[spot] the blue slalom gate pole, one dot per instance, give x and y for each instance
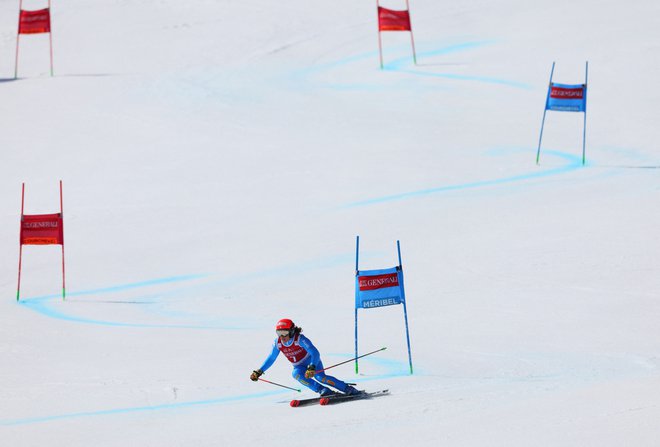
(357, 272)
(584, 132)
(545, 109)
(357, 251)
(405, 311)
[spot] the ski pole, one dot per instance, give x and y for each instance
(351, 360)
(277, 384)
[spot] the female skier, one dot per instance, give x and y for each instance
(306, 360)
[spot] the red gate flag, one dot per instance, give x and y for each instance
(42, 229)
(34, 22)
(394, 20)
(391, 20)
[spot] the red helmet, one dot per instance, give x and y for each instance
(284, 323)
(284, 327)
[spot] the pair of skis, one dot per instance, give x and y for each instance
(337, 398)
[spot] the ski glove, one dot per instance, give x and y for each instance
(311, 372)
(255, 375)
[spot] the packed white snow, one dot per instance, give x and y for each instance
(219, 158)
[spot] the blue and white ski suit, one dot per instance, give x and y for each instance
(300, 351)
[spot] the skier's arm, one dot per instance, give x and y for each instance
(314, 355)
(271, 358)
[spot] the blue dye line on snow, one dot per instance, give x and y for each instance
(122, 287)
(45, 304)
(398, 64)
(574, 162)
(149, 408)
(395, 367)
(48, 305)
(458, 77)
(45, 307)
(288, 270)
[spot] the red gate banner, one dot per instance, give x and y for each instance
(394, 20)
(34, 22)
(391, 20)
(42, 229)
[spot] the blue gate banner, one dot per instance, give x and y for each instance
(567, 97)
(378, 288)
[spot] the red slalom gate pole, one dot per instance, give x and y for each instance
(351, 360)
(62, 217)
(277, 384)
(50, 38)
(18, 36)
(20, 243)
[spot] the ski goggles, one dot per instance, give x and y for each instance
(283, 332)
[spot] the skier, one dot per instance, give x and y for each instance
(306, 360)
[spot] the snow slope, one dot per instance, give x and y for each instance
(219, 158)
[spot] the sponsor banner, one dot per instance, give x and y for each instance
(42, 229)
(379, 288)
(391, 20)
(34, 22)
(567, 98)
(378, 281)
(567, 93)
